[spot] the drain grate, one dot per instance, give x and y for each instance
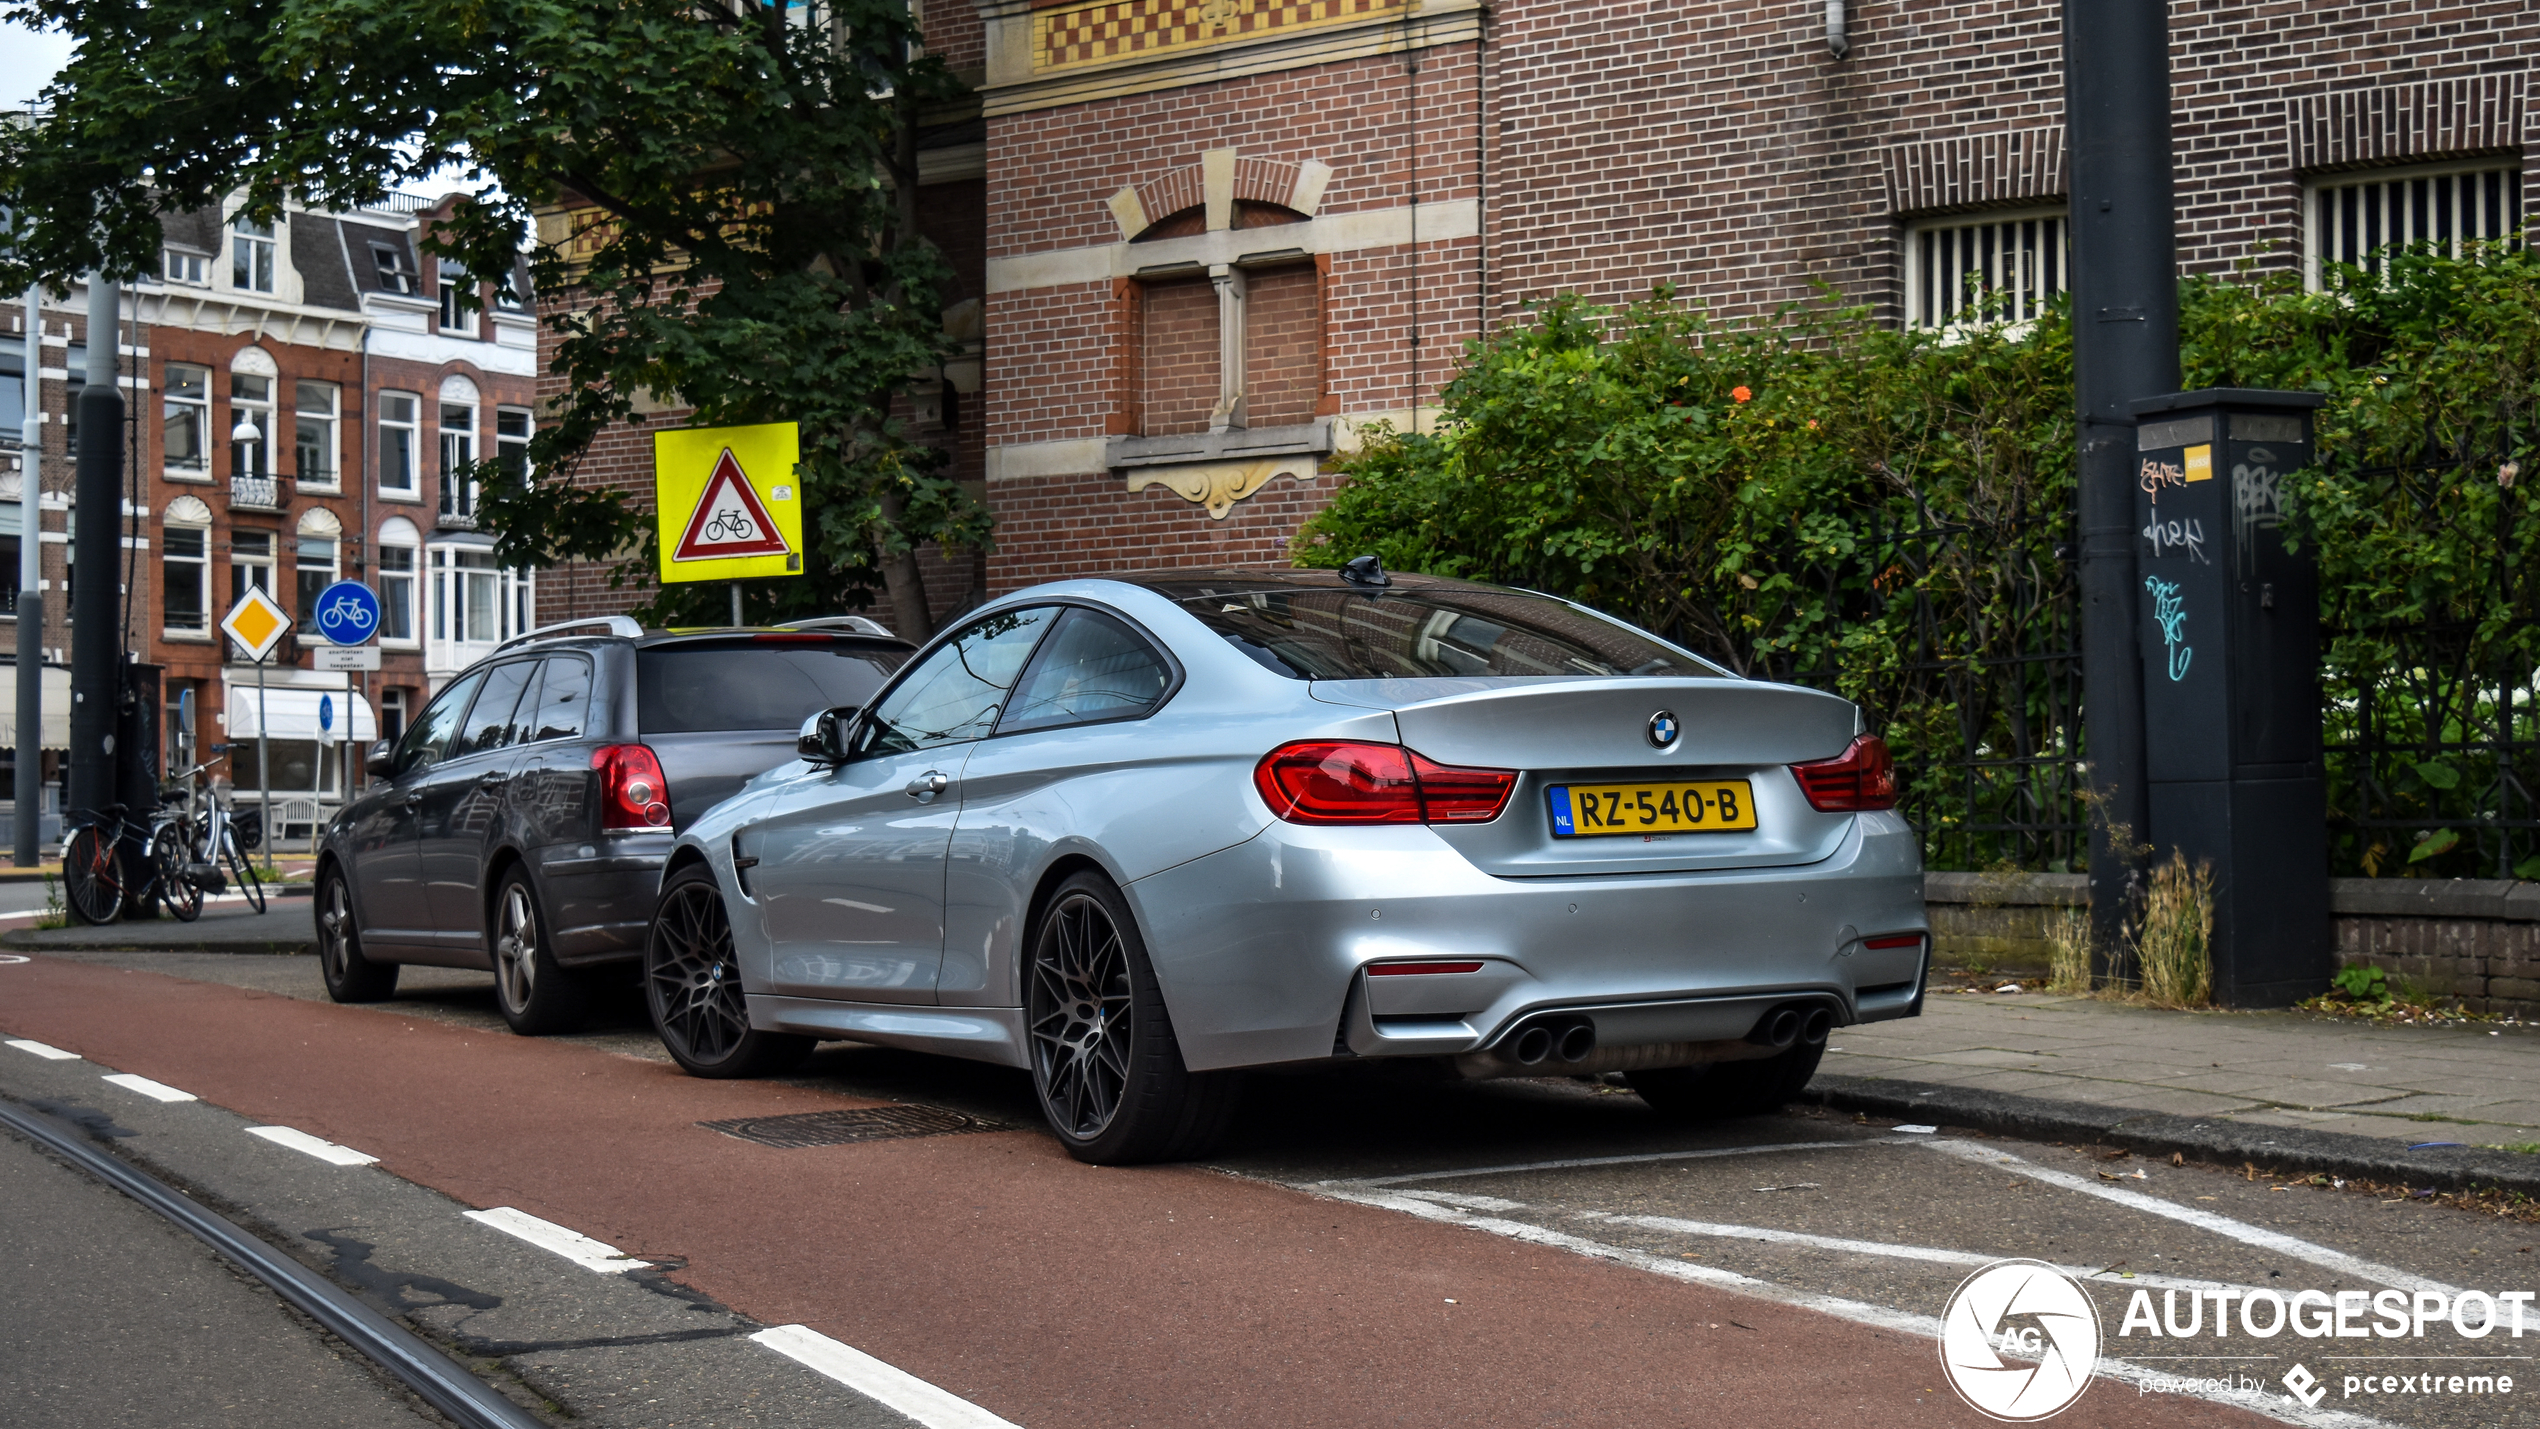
(839, 1128)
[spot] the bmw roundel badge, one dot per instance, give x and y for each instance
(1662, 728)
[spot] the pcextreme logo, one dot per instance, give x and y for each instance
(2019, 1341)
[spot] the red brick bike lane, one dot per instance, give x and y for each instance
(1054, 1294)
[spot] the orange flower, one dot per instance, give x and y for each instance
(1740, 393)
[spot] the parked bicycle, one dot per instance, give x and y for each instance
(112, 864)
(206, 850)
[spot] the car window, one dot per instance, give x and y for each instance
(488, 725)
(560, 705)
(1429, 631)
(428, 739)
(954, 693)
(754, 683)
(1090, 668)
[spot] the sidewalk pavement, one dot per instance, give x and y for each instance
(286, 926)
(2283, 1089)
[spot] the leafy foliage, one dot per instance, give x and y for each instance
(1813, 496)
(742, 179)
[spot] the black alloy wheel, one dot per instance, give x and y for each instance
(1104, 1059)
(350, 977)
(692, 983)
(534, 992)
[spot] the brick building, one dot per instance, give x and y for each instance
(364, 380)
(1218, 237)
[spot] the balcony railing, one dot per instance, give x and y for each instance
(256, 493)
(455, 521)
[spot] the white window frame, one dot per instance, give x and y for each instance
(511, 448)
(328, 422)
(458, 451)
(252, 248)
(185, 266)
(2455, 211)
(250, 569)
(402, 481)
(455, 592)
(398, 593)
(175, 399)
(244, 407)
(2038, 266)
(458, 319)
(169, 574)
(389, 262)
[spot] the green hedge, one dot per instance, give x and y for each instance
(1819, 497)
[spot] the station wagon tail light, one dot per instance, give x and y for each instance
(1861, 777)
(1330, 781)
(634, 797)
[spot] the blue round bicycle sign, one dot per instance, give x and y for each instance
(347, 613)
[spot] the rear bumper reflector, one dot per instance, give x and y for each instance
(1413, 969)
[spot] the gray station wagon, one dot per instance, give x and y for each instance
(520, 823)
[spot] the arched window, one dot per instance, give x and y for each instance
(185, 568)
(317, 558)
(250, 255)
(400, 547)
(458, 452)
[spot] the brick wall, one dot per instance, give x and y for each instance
(1283, 346)
(1177, 367)
(1054, 527)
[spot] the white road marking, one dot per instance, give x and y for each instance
(1607, 1161)
(307, 1145)
(2265, 1402)
(573, 1245)
(49, 1054)
(155, 1091)
(13, 959)
(2241, 1231)
(893, 1387)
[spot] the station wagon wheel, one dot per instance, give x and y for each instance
(1105, 1061)
(350, 977)
(692, 983)
(535, 993)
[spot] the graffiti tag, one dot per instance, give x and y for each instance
(2169, 608)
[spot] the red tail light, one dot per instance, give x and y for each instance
(1862, 777)
(634, 797)
(1328, 781)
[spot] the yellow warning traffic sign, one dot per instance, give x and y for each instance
(256, 623)
(727, 502)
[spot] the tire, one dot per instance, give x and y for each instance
(1728, 1089)
(242, 871)
(535, 993)
(350, 977)
(92, 879)
(692, 983)
(1105, 1062)
(181, 895)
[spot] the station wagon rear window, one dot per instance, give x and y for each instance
(1431, 631)
(745, 684)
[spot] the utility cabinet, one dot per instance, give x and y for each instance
(2228, 628)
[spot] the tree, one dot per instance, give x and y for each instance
(742, 183)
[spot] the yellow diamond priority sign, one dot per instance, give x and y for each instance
(256, 623)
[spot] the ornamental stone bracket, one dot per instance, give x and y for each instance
(1218, 469)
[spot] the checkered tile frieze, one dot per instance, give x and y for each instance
(1109, 31)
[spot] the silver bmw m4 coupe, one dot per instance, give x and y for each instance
(1138, 834)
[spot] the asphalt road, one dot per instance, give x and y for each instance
(1369, 1248)
(115, 1319)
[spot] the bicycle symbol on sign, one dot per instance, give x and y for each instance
(731, 526)
(345, 611)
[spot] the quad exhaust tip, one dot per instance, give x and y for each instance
(1570, 1040)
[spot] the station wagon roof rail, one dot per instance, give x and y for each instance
(619, 625)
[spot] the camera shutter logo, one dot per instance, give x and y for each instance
(2019, 1341)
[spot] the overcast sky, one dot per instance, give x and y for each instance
(28, 59)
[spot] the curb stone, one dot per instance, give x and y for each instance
(2279, 1148)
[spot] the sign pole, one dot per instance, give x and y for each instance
(736, 602)
(30, 773)
(264, 766)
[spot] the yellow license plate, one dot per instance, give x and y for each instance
(1710, 807)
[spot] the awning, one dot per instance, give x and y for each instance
(57, 707)
(294, 715)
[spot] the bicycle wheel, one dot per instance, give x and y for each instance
(242, 871)
(92, 880)
(182, 895)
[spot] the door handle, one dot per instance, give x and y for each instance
(926, 786)
(414, 798)
(494, 780)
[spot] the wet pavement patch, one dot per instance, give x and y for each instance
(841, 1128)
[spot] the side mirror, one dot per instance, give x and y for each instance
(823, 737)
(381, 761)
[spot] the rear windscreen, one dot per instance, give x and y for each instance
(1429, 632)
(685, 689)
